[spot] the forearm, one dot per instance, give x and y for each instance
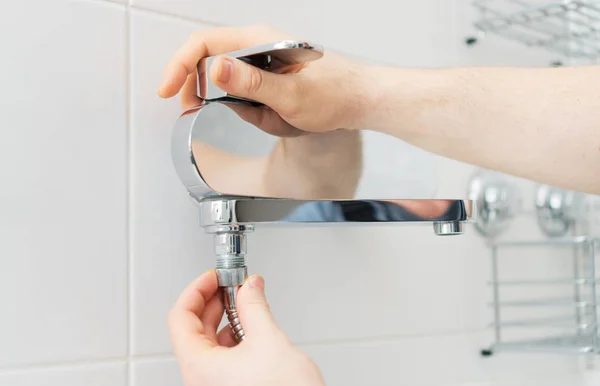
(540, 124)
(319, 166)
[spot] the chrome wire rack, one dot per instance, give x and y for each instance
(569, 28)
(571, 327)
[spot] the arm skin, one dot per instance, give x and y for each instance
(315, 166)
(312, 166)
(542, 124)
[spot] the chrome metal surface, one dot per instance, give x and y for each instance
(565, 27)
(229, 146)
(558, 209)
(230, 248)
(274, 57)
(448, 228)
(549, 282)
(565, 321)
(445, 215)
(497, 199)
(546, 303)
(218, 150)
(580, 325)
(571, 344)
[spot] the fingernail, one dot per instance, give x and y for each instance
(225, 70)
(256, 281)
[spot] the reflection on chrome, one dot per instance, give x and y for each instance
(218, 212)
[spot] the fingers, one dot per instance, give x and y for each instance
(189, 93)
(188, 334)
(208, 43)
(225, 337)
(267, 120)
(212, 316)
(254, 311)
(279, 91)
(199, 45)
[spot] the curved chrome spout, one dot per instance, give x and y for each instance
(447, 216)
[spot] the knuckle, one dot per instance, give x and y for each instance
(254, 81)
(259, 304)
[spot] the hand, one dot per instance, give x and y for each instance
(321, 96)
(265, 358)
(330, 93)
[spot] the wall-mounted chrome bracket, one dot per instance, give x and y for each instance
(558, 209)
(497, 200)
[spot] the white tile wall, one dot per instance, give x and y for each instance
(169, 248)
(105, 374)
(63, 271)
(155, 372)
(100, 238)
(379, 30)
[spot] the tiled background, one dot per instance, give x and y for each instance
(98, 237)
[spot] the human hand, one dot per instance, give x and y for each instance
(265, 358)
(328, 94)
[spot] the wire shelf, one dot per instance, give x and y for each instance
(574, 345)
(575, 328)
(570, 28)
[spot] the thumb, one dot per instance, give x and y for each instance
(246, 81)
(254, 311)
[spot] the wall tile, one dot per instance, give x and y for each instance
(415, 361)
(440, 360)
(155, 372)
(89, 375)
(169, 247)
(63, 152)
(435, 360)
(402, 32)
(368, 282)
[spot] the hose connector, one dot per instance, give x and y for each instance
(230, 248)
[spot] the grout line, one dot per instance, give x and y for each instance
(84, 362)
(207, 23)
(390, 338)
(167, 356)
(129, 199)
(59, 365)
(110, 3)
(173, 16)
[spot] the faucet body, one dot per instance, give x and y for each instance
(230, 214)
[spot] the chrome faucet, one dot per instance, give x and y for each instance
(222, 153)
